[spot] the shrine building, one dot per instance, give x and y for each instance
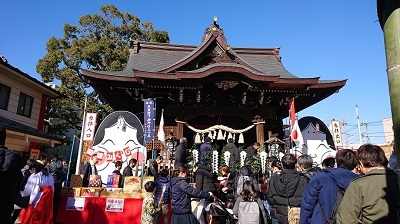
(209, 84)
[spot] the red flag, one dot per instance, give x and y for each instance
(292, 113)
(161, 133)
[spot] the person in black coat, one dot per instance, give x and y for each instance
(286, 188)
(205, 182)
(181, 194)
(10, 178)
(253, 149)
(128, 170)
(89, 169)
(235, 152)
(181, 153)
(56, 169)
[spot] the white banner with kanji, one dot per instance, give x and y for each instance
(89, 126)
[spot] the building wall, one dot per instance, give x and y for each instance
(388, 129)
(16, 88)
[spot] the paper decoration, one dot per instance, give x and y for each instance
(220, 135)
(95, 181)
(89, 152)
(263, 158)
(241, 139)
(127, 151)
(195, 156)
(100, 156)
(227, 157)
(215, 161)
(197, 139)
(118, 155)
(109, 157)
(243, 155)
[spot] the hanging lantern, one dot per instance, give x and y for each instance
(197, 139)
(227, 157)
(210, 135)
(241, 139)
(243, 155)
(220, 136)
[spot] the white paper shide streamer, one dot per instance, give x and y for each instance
(195, 156)
(263, 158)
(227, 157)
(243, 155)
(215, 161)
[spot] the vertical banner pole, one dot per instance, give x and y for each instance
(154, 130)
(79, 159)
(69, 162)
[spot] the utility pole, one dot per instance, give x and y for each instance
(389, 19)
(345, 131)
(359, 127)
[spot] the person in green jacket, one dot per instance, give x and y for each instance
(373, 197)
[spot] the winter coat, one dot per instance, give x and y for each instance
(310, 173)
(205, 180)
(87, 171)
(159, 186)
(56, 169)
(181, 193)
(284, 188)
(373, 197)
(180, 156)
(10, 177)
(251, 150)
(323, 189)
(203, 151)
(235, 152)
(127, 172)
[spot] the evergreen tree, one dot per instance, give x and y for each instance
(99, 42)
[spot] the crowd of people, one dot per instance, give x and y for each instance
(353, 187)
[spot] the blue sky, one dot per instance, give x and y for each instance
(333, 40)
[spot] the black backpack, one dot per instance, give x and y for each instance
(332, 217)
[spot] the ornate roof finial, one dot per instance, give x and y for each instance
(215, 20)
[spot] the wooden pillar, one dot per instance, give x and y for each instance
(179, 131)
(260, 130)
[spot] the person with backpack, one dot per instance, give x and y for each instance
(306, 166)
(374, 196)
(285, 191)
(245, 175)
(324, 191)
(248, 207)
